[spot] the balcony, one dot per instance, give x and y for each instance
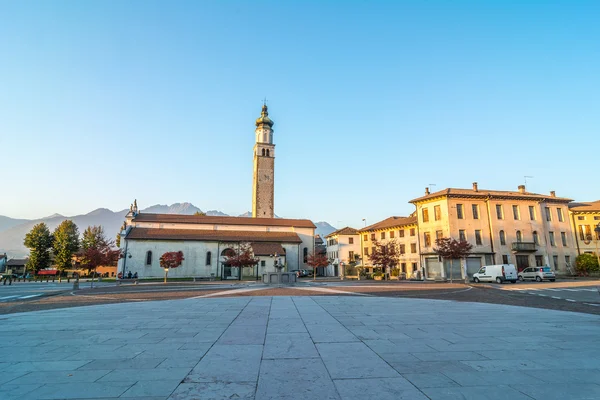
(523, 247)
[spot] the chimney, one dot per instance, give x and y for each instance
(552, 193)
(475, 187)
(426, 190)
(521, 188)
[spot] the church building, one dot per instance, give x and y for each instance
(207, 240)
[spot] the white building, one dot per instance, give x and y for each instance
(343, 248)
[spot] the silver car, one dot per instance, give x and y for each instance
(537, 273)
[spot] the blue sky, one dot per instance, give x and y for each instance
(103, 102)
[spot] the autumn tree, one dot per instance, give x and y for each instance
(200, 213)
(385, 255)
(39, 241)
(170, 260)
(452, 249)
(241, 257)
(97, 249)
(66, 243)
(317, 260)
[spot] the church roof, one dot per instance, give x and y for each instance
(264, 117)
(267, 249)
(217, 220)
(211, 235)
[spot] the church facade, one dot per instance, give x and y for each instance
(207, 240)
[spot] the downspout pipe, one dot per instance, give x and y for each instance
(576, 233)
(487, 202)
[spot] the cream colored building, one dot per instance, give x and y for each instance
(585, 217)
(343, 248)
(402, 230)
(521, 228)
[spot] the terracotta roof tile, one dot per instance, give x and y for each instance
(211, 235)
(390, 222)
(585, 207)
(213, 220)
(266, 249)
(344, 231)
(452, 192)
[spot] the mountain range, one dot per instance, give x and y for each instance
(13, 231)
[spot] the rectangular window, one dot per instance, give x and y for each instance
(555, 260)
(582, 218)
(382, 235)
(462, 236)
(552, 241)
(350, 240)
(499, 211)
(425, 213)
(350, 256)
(539, 261)
(532, 213)
(413, 248)
(568, 260)
(403, 267)
(581, 235)
(401, 233)
(392, 234)
(548, 214)
(588, 232)
(412, 231)
(208, 258)
(414, 266)
(402, 249)
(478, 241)
(366, 237)
(516, 212)
(560, 214)
(439, 234)
(373, 250)
(563, 237)
(459, 211)
(426, 239)
(372, 236)
(596, 218)
(263, 263)
(366, 251)
(505, 259)
(437, 213)
(475, 209)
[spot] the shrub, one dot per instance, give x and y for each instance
(586, 263)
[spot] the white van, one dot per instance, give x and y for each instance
(496, 273)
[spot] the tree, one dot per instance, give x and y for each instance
(118, 240)
(452, 249)
(385, 255)
(200, 213)
(169, 260)
(316, 260)
(97, 249)
(39, 241)
(241, 257)
(586, 263)
(66, 243)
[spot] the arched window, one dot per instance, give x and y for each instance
(519, 236)
(536, 237)
(263, 152)
(208, 257)
(502, 238)
(148, 257)
(268, 155)
(305, 254)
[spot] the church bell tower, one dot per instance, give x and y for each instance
(263, 186)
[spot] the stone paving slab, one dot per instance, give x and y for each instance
(300, 348)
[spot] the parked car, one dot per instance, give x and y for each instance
(496, 273)
(537, 273)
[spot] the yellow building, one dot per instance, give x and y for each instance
(585, 218)
(521, 228)
(402, 230)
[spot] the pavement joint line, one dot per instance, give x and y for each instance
(571, 300)
(556, 297)
(326, 290)
(230, 291)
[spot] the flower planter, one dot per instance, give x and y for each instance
(378, 278)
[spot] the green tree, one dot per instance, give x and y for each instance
(586, 263)
(66, 243)
(39, 241)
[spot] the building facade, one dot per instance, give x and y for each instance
(343, 248)
(585, 218)
(521, 228)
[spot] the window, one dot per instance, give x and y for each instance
(439, 234)
(402, 249)
(478, 241)
(263, 152)
(499, 211)
(519, 236)
(426, 239)
(588, 232)
(475, 209)
(401, 233)
(373, 250)
(596, 218)
(532, 213)
(366, 237)
(582, 218)
(459, 211)
(414, 266)
(548, 214)
(516, 212)
(552, 242)
(350, 256)
(462, 235)
(305, 254)
(536, 237)
(539, 261)
(505, 259)
(350, 240)
(208, 257)
(372, 236)
(425, 213)
(555, 260)
(366, 251)
(560, 214)
(403, 267)
(502, 239)
(391, 234)
(382, 235)
(412, 231)
(563, 238)
(437, 213)
(263, 263)
(568, 260)
(581, 236)
(413, 248)
(148, 257)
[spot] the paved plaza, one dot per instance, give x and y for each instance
(305, 347)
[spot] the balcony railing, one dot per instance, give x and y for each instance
(523, 247)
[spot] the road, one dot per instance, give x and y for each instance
(23, 291)
(585, 292)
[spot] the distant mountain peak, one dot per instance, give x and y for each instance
(55, 215)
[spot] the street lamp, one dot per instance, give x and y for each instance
(597, 230)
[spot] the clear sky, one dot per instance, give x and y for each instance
(103, 102)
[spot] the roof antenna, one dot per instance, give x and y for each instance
(527, 176)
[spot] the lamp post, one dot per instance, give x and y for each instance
(597, 230)
(166, 274)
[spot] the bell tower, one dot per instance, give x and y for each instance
(263, 185)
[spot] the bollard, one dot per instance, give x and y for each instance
(76, 285)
